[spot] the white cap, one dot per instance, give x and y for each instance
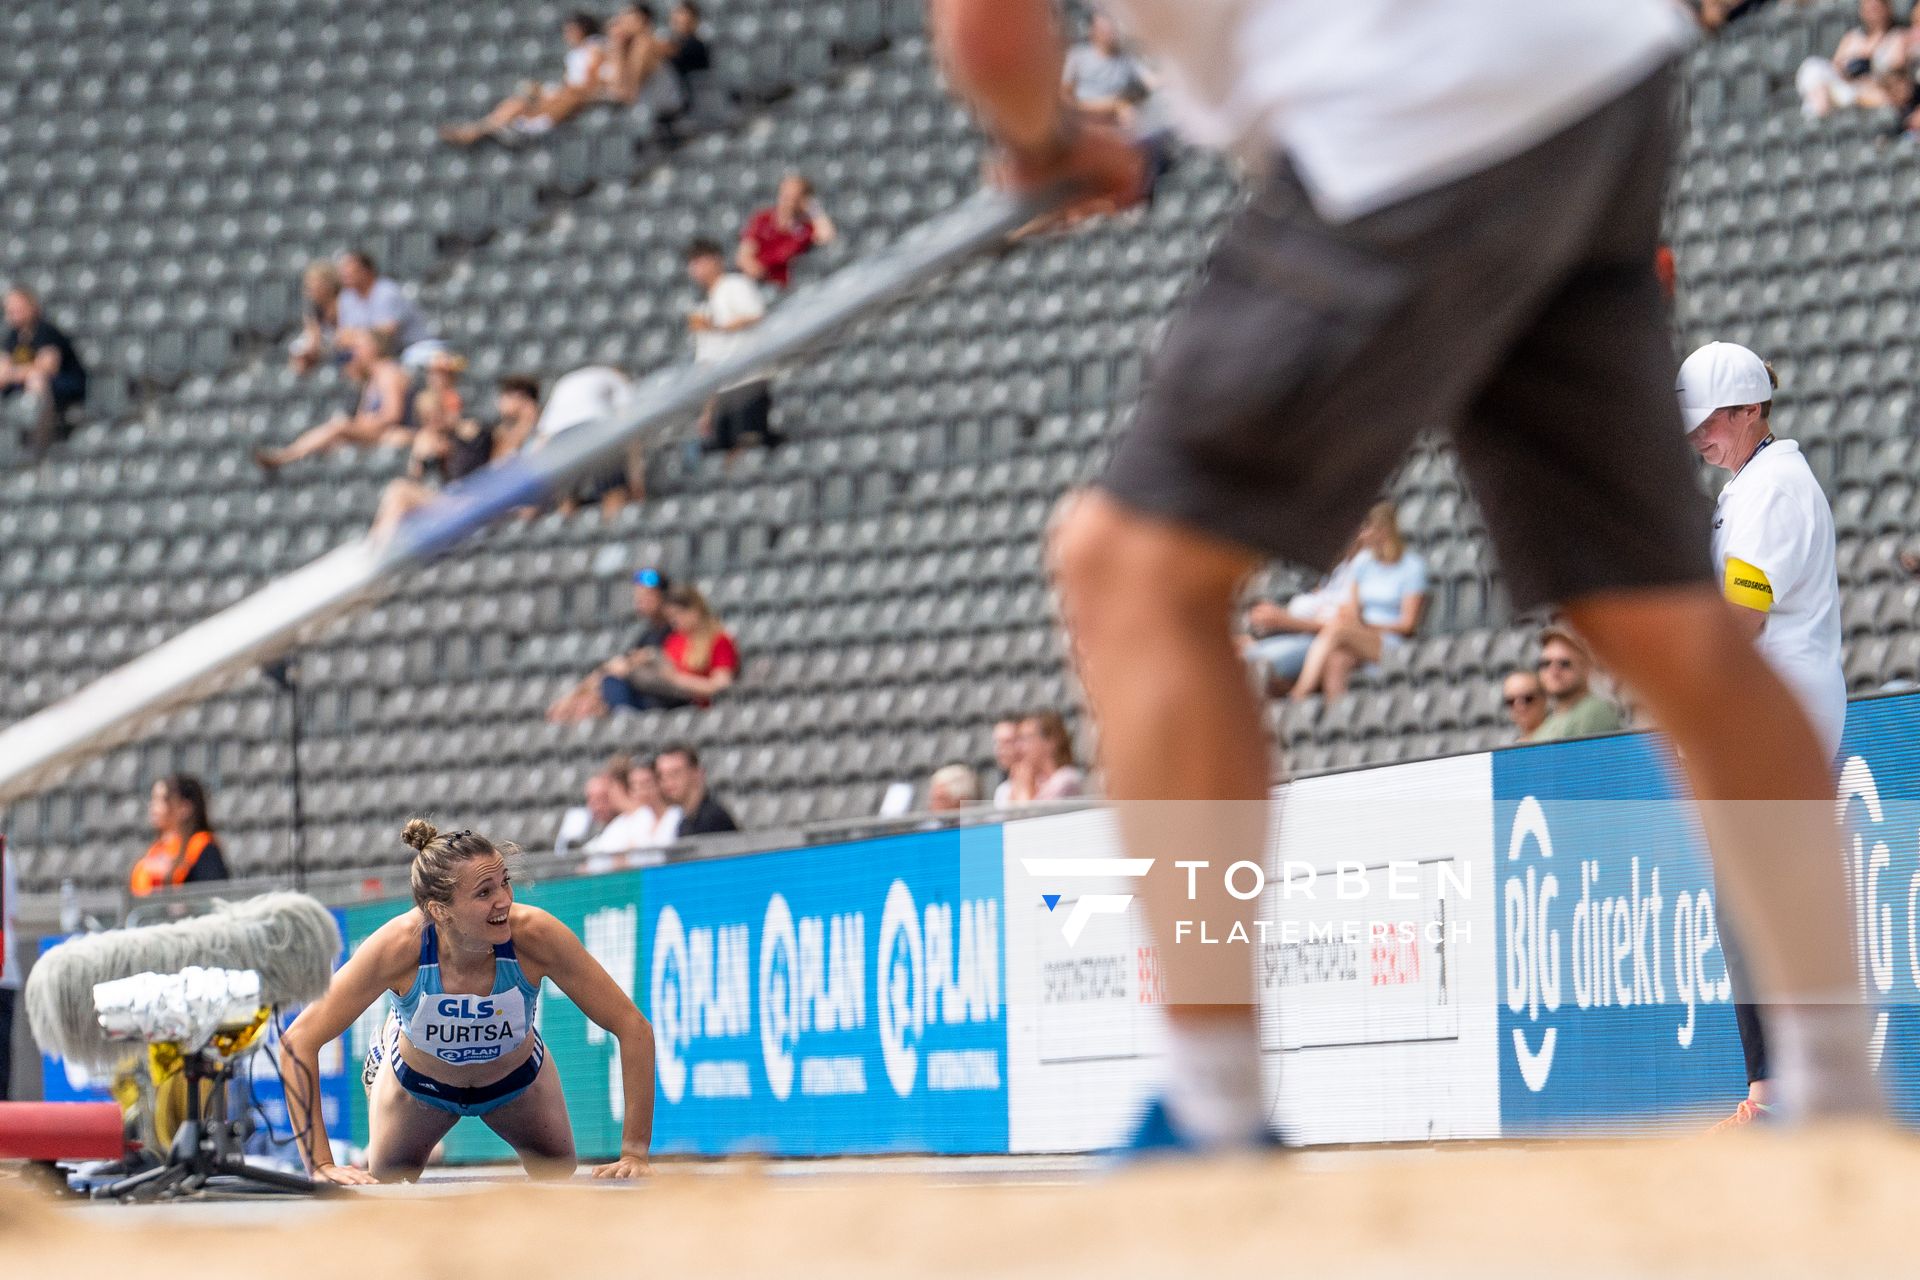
(1718, 375)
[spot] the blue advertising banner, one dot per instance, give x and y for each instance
(1614, 1000)
(836, 1000)
(60, 1080)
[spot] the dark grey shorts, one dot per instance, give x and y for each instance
(1516, 308)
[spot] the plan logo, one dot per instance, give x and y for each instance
(1087, 905)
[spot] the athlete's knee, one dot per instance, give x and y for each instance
(1111, 562)
(552, 1168)
(396, 1170)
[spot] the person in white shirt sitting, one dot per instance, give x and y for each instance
(1278, 637)
(743, 412)
(589, 76)
(605, 794)
(646, 820)
(1386, 593)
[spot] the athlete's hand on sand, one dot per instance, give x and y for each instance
(344, 1175)
(1106, 162)
(625, 1167)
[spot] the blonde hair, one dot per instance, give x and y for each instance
(958, 781)
(699, 650)
(324, 273)
(437, 859)
(1388, 515)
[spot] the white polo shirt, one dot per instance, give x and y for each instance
(1773, 548)
(1378, 100)
(585, 395)
(734, 300)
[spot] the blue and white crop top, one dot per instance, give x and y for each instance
(467, 1029)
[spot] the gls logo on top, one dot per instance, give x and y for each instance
(834, 999)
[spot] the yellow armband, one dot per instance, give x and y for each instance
(1747, 586)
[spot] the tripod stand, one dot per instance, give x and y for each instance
(206, 1146)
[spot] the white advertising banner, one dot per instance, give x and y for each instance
(1374, 959)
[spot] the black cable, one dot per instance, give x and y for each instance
(300, 1129)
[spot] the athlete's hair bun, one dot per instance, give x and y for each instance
(419, 833)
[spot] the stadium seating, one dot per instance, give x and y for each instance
(882, 571)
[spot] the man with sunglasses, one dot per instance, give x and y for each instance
(1565, 671)
(1525, 701)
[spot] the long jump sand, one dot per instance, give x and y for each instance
(1840, 1203)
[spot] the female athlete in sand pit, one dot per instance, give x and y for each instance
(464, 969)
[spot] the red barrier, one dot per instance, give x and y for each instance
(61, 1131)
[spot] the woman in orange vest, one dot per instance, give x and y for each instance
(187, 851)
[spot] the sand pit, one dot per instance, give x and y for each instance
(1750, 1205)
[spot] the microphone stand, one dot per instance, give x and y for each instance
(285, 675)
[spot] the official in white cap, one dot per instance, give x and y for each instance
(1773, 539)
(1774, 551)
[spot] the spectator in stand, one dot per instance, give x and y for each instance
(639, 66)
(1385, 596)
(687, 52)
(733, 305)
(1566, 672)
(1006, 756)
(647, 821)
(1278, 638)
(787, 229)
(587, 395)
(38, 363)
(319, 318)
(438, 406)
(1102, 79)
(383, 417)
(185, 850)
(1526, 703)
(953, 787)
(372, 302)
(605, 792)
(1045, 771)
(635, 50)
(1715, 14)
(696, 661)
(683, 784)
(442, 455)
(586, 700)
(589, 75)
(1865, 68)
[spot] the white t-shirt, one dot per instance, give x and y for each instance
(734, 298)
(385, 303)
(1773, 549)
(637, 830)
(582, 396)
(579, 62)
(1378, 100)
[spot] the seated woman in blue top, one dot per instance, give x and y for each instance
(463, 969)
(1386, 590)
